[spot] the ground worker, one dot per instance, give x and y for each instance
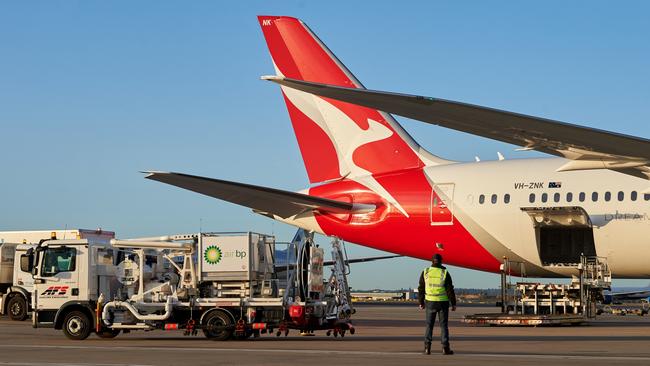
(435, 293)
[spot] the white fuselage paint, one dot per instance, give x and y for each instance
(621, 228)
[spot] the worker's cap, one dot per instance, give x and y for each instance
(437, 258)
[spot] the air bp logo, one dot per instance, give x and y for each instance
(212, 254)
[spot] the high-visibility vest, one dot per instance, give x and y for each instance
(434, 284)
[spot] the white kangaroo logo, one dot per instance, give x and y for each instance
(346, 136)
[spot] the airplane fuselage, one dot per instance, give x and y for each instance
(476, 213)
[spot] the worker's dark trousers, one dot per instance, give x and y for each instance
(432, 308)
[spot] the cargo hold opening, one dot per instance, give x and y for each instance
(563, 234)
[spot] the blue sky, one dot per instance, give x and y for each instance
(92, 92)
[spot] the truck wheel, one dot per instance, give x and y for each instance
(17, 307)
(76, 325)
(108, 333)
(217, 318)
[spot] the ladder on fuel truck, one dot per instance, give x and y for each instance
(339, 281)
(337, 286)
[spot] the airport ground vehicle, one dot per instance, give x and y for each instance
(226, 285)
(531, 303)
(16, 284)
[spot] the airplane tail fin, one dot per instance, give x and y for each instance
(336, 139)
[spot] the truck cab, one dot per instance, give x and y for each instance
(16, 252)
(69, 276)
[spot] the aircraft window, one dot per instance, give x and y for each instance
(569, 197)
(621, 195)
(544, 197)
(494, 198)
(633, 195)
(581, 197)
(646, 196)
(556, 197)
(594, 196)
(608, 196)
(481, 199)
(531, 197)
(506, 198)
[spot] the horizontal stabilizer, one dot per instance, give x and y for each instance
(263, 200)
(349, 261)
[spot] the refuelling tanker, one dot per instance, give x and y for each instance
(225, 285)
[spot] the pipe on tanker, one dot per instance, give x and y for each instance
(135, 312)
(150, 244)
(153, 238)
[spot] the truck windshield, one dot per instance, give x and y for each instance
(56, 260)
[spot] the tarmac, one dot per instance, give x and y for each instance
(385, 335)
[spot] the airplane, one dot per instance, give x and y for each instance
(633, 296)
(626, 294)
(372, 184)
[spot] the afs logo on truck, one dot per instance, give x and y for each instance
(55, 291)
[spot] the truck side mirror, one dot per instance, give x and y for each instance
(26, 262)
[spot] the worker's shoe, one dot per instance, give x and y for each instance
(427, 349)
(447, 351)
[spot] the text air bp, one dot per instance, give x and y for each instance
(213, 254)
(224, 254)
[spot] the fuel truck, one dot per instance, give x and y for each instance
(224, 285)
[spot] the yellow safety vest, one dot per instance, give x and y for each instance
(434, 284)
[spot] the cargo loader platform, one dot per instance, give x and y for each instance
(499, 319)
(548, 304)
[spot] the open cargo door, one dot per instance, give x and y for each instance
(563, 234)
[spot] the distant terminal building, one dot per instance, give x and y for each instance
(385, 295)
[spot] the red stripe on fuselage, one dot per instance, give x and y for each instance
(391, 231)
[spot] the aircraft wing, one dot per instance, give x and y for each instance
(587, 148)
(641, 294)
(364, 259)
(617, 297)
(349, 261)
(268, 201)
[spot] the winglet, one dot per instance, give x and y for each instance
(274, 78)
(151, 173)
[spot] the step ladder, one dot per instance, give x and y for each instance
(338, 282)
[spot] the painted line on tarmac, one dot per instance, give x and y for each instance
(330, 352)
(554, 357)
(65, 364)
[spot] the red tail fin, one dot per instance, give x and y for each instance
(336, 139)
